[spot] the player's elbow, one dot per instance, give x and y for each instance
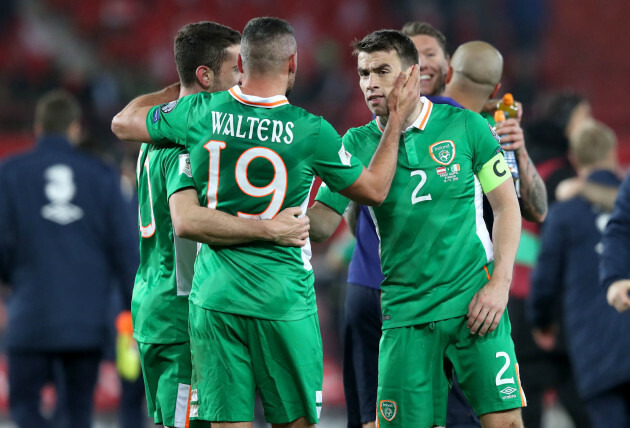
(375, 198)
(182, 226)
(118, 126)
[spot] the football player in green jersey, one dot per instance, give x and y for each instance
(446, 283)
(253, 320)
(205, 55)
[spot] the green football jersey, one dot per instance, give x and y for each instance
(252, 157)
(435, 249)
(159, 305)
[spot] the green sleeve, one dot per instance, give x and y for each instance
(336, 201)
(176, 170)
(337, 168)
(483, 140)
(168, 123)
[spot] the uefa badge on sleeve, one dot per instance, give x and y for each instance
(388, 409)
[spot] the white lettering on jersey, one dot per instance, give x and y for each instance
(264, 127)
(259, 129)
(253, 121)
(238, 127)
(229, 126)
(217, 123)
(289, 131)
(277, 131)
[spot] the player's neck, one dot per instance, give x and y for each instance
(264, 86)
(189, 90)
(468, 101)
(410, 119)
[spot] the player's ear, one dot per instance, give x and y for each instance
(293, 63)
(449, 75)
(239, 63)
(495, 91)
(205, 76)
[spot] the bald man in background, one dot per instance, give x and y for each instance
(473, 78)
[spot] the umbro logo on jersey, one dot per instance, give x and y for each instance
(508, 392)
(443, 152)
(388, 409)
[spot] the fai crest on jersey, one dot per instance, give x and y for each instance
(168, 107)
(388, 409)
(184, 165)
(443, 152)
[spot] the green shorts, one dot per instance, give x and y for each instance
(415, 361)
(235, 355)
(166, 370)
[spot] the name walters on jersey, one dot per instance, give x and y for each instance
(252, 127)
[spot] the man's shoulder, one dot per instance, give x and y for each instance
(371, 130)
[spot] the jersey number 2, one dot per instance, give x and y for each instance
(501, 380)
(277, 187)
(423, 179)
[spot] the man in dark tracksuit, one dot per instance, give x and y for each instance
(567, 269)
(65, 238)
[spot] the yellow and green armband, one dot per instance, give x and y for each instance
(493, 173)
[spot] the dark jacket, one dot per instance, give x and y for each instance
(567, 269)
(615, 259)
(65, 240)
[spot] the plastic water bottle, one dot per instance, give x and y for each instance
(510, 156)
(507, 106)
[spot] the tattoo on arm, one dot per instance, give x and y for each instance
(535, 198)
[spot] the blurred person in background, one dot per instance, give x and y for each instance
(547, 370)
(567, 272)
(65, 238)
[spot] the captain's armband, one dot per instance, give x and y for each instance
(493, 173)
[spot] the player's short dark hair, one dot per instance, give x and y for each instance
(56, 111)
(267, 43)
(417, 28)
(202, 43)
(388, 40)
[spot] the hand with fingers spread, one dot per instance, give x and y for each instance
(289, 230)
(487, 307)
(403, 99)
(617, 295)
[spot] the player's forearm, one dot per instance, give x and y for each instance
(130, 123)
(533, 191)
(215, 227)
(383, 165)
(351, 216)
(506, 235)
(324, 221)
